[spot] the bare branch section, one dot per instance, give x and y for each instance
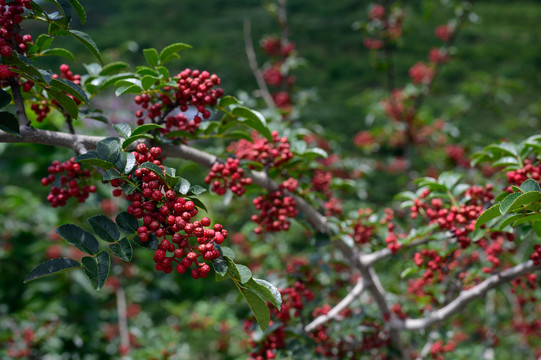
(357, 290)
(252, 61)
(465, 297)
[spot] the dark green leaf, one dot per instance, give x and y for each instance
(92, 158)
(509, 220)
(112, 79)
(44, 41)
(516, 200)
(172, 49)
(79, 10)
(71, 88)
(58, 52)
(489, 214)
(128, 89)
(530, 185)
(104, 227)
(528, 218)
(122, 249)
(134, 138)
(147, 81)
(66, 103)
(9, 123)
(258, 306)
(51, 267)
(266, 291)
(145, 128)
(505, 161)
(145, 70)
(127, 223)
(87, 42)
(240, 135)
(109, 149)
(253, 119)
(227, 100)
(183, 186)
(199, 203)
(123, 130)
(164, 72)
(227, 252)
(152, 57)
(151, 244)
(81, 239)
(506, 148)
(220, 266)
(97, 268)
(130, 163)
(239, 272)
(5, 98)
(129, 188)
(111, 174)
(155, 169)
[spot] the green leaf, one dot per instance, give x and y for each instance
(127, 223)
(449, 179)
(489, 214)
(197, 190)
(152, 57)
(183, 186)
(81, 239)
(129, 188)
(220, 267)
(129, 89)
(164, 72)
(155, 169)
(516, 200)
(506, 148)
(113, 68)
(266, 291)
(172, 49)
(258, 306)
(151, 244)
(87, 41)
(71, 88)
(528, 218)
(79, 10)
(111, 174)
(506, 161)
(431, 183)
(509, 220)
(5, 98)
(97, 268)
(108, 149)
(112, 79)
(9, 123)
(239, 272)
(145, 128)
(253, 119)
(104, 227)
(227, 252)
(198, 203)
(134, 138)
(58, 52)
(92, 158)
(530, 185)
(227, 100)
(130, 162)
(64, 5)
(67, 103)
(44, 41)
(123, 129)
(122, 249)
(237, 135)
(172, 180)
(51, 267)
(147, 81)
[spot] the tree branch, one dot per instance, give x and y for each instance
(252, 61)
(465, 297)
(19, 102)
(357, 290)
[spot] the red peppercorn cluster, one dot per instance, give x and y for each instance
(10, 18)
(67, 180)
(169, 217)
(270, 154)
(228, 175)
(494, 248)
(293, 301)
(362, 231)
(321, 181)
(438, 349)
(460, 220)
(274, 211)
(444, 32)
(530, 170)
(536, 255)
(193, 88)
(397, 310)
(383, 27)
(421, 73)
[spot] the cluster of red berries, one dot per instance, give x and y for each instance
(530, 170)
(384, 27)
(444, 32)
(274, 211)
(275, 74)
(362, 231)
(460, 220)
(494, 248)
(194, 89)
(421, 73)
(438, 56)
(228, 175)
(457, 154)
(438, 349)
(71, 182)
(10, 17)
(270, 154)
(396, 106)
(536, 255)
(293, 301)
(169, 217)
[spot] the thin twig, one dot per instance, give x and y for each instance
(252, 61)
(19, 102)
